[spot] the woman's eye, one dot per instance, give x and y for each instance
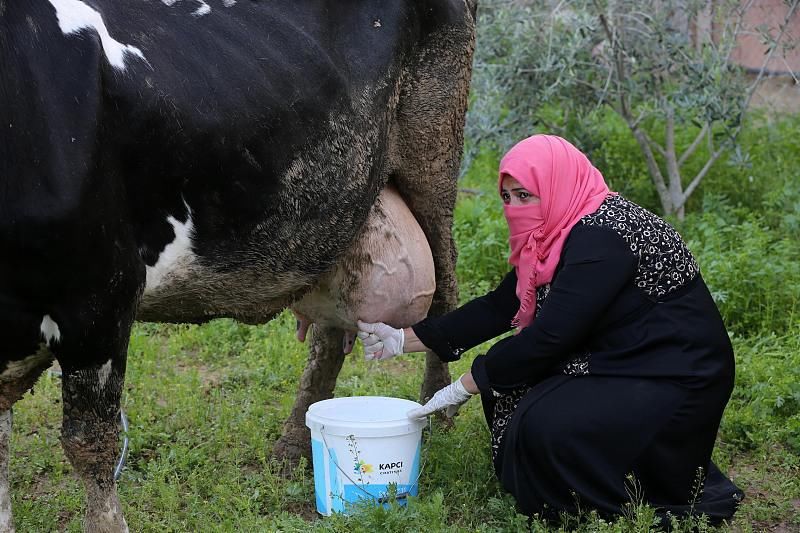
(506, 197)
(524, 195)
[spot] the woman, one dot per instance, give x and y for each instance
(619, 364)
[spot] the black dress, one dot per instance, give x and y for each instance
(615, 391)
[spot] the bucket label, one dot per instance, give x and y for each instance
(391, 468)
(348, 469)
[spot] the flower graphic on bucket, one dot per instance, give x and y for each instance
(360, 467)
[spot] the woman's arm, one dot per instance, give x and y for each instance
(477, 321)
(412, 342)
(596, 265)
(469, 383)
(449, 335)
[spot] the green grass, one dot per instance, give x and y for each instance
(206, 404)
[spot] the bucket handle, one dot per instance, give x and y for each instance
(383, 499)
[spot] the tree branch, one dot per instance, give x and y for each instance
(660, 149)
(625, 112)
(619, 65)
(710, 138)
(673, 170)
(692, 147)
(669, 153)
(652, 167)
(700, 175)
(741, 11)
(642, 115)
(602, 98)
(790, 71)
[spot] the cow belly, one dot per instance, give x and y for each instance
(387, 276)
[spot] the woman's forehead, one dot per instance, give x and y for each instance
(510, 182)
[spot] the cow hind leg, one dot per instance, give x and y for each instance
(18, 378)
(90, 438)
(325, 359)
(426, 147)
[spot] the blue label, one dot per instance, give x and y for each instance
(337, 498)
(379, 493)
(320, 486)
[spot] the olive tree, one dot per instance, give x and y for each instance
(647, 60)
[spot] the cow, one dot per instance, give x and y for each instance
(183, 160)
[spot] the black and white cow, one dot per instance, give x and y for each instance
(181, 160)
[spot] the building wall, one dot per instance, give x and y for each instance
(750, 52)
(779, 92)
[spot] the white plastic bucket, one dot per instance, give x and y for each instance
(360, 446)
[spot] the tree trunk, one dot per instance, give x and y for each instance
(673, 169)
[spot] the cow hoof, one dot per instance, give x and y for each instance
(292, 446)
(105, 517)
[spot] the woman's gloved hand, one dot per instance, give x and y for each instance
(381, 341)
(449, 398)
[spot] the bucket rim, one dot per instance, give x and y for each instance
(340, 425)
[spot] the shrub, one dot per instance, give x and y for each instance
(750, 268)
(762, 177)
(480, 231)
(765, 405)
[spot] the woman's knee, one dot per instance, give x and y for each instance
(543, 432)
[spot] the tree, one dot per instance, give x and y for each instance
(638, 58)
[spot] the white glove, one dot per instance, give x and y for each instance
(449, 398)
(381, 341)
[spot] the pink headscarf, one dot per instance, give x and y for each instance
(569, 186)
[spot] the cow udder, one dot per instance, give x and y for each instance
(387, 276)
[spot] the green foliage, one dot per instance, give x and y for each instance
(481, 233)
(762, 178)
(551, 67)
(751, 269)
(519, 69)
(765, 405)
(619, 159)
